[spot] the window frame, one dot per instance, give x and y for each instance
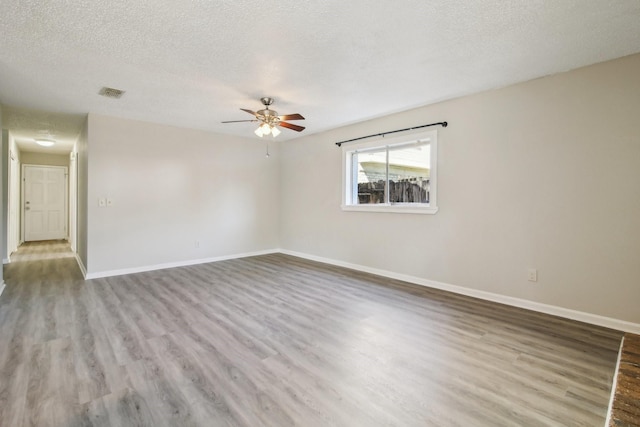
(349, 179)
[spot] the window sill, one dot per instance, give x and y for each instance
(429, 210)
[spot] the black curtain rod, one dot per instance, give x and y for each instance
(443, 124)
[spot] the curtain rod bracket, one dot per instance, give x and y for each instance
(383, 134)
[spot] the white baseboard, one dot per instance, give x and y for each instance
(581, 316)
(6, 260)
(2, 286)
(142, 269)
(81, 265)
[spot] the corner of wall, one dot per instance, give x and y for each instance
(3, 183)
(82, 159)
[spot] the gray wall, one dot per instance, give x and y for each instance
(541, 175)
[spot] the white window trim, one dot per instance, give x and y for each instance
(412, 208)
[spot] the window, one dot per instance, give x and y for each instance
(391, 174)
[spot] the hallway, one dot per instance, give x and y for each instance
(47, 249)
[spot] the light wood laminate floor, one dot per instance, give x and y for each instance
(279, 341)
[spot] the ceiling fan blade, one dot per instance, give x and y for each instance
(292, 117)
(238, 121)
(290, 126)
(249, 111)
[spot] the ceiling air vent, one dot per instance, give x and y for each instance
(110, 92)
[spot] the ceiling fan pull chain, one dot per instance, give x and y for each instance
(267, 150)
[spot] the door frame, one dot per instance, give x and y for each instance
(66, 197)
(72, 216)
(13, 201)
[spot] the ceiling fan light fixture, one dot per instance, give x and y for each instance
(266, 129)
(270, 120)
(45, 142)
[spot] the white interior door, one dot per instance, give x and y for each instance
(45, 207)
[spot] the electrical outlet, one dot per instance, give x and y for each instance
(109, 203)
(102, 202)
(532, 275)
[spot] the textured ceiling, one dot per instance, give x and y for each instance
(195, 63)
(27, 125)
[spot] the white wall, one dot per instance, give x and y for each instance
(4, 139)
(73, 199)
(172, 187)
(14, 196)
(81, 147)
(2, 206)
(4, 179)
(47, 159)
(544, 174)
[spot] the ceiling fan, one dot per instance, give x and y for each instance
(270, 120)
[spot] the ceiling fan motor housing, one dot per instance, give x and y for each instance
(268, 116)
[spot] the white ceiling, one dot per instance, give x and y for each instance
(27, 125)
(194, 64)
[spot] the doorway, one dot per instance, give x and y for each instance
(45, 195)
